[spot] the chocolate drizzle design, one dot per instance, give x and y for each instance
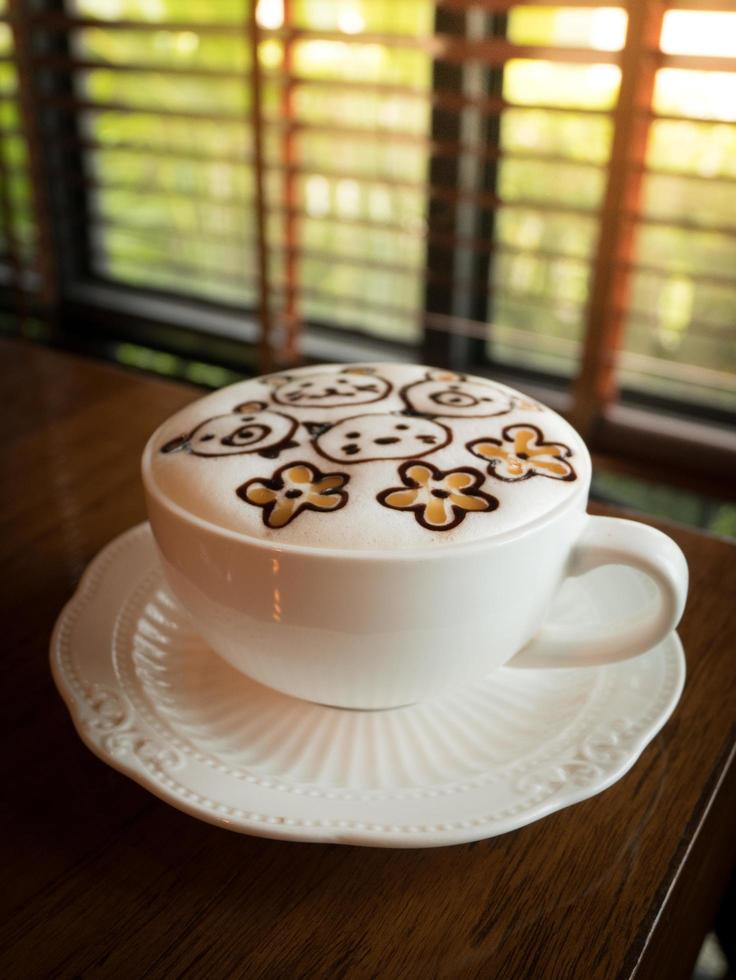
(448, 395)
(253, 431)
(528, 455)
(370, 438)
(350, 386)
(292, 489)
(439, 499)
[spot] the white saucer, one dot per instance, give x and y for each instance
(149, 698)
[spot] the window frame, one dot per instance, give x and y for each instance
(79, 304)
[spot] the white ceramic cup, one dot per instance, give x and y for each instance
(379, 629)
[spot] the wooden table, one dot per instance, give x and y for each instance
(101, 879)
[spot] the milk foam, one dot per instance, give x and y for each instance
(367, 457)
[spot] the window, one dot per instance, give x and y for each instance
(679, 330)
(17, 231)
(504, 187)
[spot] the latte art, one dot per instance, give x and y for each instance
(370, 438)
(257, 431)
(446, 394)
(368, 456)
(333, 389)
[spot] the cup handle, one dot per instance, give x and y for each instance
(613, 541)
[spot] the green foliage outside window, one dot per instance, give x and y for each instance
(172, 199)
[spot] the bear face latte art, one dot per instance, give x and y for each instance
(365, 457)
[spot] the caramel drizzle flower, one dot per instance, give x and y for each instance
(292, 489)
(526, 455)
(439, 499)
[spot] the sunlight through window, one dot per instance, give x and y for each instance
(350, 21)
(696, 32)
(608, 31)
(270, 14)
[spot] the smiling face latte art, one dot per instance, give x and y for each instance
(368, 457)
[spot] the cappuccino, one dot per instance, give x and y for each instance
(368, 457)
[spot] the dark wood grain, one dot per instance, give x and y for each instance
(103, 880)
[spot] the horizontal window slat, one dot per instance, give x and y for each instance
(695, 328)
(395, 228)
(57, 21)
(437, 148)
(728, 231)
(545, 254)
(686, 175)
(661, 367)
(441, 98)
(543, 301)
(664, 273)
(491, 202)
(176, 288)
(414, 231)
(714, 6)
(359, 302)
(154, 151)
(200, 273)
(697, 62)
(73, 105)
(150, 189)
(683, 117)
(439, 46)
(65, 21)
(484, 331)
(500, 332)
(500, 57)
(491, 105)
(483, 200)
(443, 240)
(102, 222)
(70, 64)
(387, 89)
(191, 270)
(502, 6)
(444, 47)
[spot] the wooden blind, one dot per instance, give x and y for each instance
(483, 183)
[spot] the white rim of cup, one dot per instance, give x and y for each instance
(434, 551)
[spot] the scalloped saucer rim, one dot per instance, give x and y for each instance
(116, 733)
